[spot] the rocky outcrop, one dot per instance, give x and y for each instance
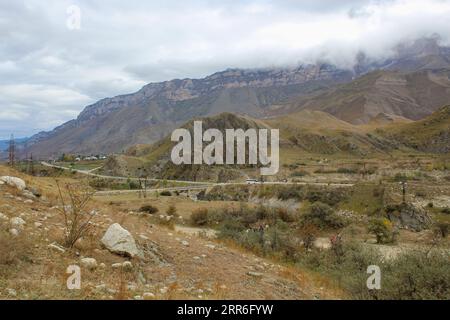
(14, 182)
(407, 216)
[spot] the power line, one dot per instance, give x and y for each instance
(12, 151)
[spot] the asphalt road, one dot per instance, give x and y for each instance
(192, 185)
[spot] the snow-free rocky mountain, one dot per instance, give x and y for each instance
(413, 84)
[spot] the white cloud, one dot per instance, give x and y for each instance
(48, 69)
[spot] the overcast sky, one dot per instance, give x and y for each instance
(50, 70)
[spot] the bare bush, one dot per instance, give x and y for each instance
(199, 217)
(74, 198)
(12, 248)
(149, 209)
(308, 234)
(172, 210)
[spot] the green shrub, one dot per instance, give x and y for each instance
(231, 229)
(400, 177)
(442, 229)
(347, 170)
(382, 229)
(329, 196)
(300, 173)
(200, 217)
(417, 276)
(322, 215)
(172, 210)
(149, 209)
(287, 193)
(284, 215)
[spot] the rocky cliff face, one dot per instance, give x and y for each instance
(146, 116)
(187, 89)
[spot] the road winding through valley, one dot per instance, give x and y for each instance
(191, 185)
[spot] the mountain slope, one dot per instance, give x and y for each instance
(431, 134)
(409, 95)
(301, 134)
(146, 116)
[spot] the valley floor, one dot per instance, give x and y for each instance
(181, 265)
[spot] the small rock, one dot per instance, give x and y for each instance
(28, 194)
(185, 243)
(89, 263)
(116, 265)
(149, 296)
(255, 274)
(132, 286)
(101, 287)
(29, 201)
(36, 192)
(56, 247)
(11, 292)
(17, 222)
(143, 237)
(38, 224)
(127, 265)
(163, 290)
(14, 232)
(138, 298)
(3, 217)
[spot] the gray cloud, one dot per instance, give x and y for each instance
(49, 73)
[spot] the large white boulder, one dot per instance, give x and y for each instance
(14, 182)
(118, 240)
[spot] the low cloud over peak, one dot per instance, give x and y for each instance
(50, 72)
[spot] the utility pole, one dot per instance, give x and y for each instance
(12, 151)
(31, 165)
(403, 183)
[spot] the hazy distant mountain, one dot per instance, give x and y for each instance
(412, 84)
(421, 54)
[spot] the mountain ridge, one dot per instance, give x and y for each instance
(114, 124)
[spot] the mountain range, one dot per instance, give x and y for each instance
(412, 84)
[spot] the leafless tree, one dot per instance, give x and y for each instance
(74, 198)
